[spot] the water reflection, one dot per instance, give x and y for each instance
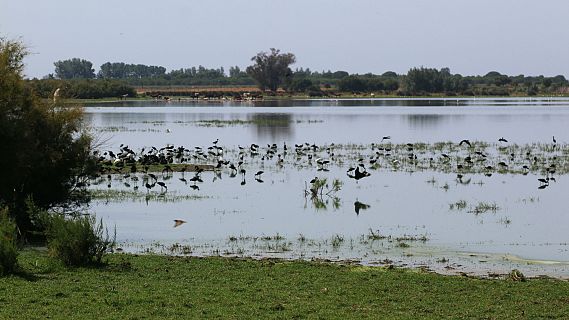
(422, 121)
(274, 127)
(146, 126)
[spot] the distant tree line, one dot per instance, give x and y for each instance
(81, 88)
(139, 74)
(421, 81)
(271, 70)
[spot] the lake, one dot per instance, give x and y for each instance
(414, 209)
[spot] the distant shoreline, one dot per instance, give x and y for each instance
(304, 97)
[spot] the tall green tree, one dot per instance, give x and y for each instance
(427, 80)
(271, 68)
(121, 70)
(46, 156)
(74, 69)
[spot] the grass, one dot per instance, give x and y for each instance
(150, 286)
(459, 205)
(484, 207)
(119, 196)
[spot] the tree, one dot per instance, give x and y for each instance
(271, 69)
(74, 69)
(425, 80)
(352, 83)
(301, 84)
(45, 153)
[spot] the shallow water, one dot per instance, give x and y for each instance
(229, 218)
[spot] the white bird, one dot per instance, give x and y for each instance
(56, 95)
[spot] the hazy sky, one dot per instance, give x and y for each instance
(358, 36)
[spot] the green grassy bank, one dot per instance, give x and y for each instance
(139, 287)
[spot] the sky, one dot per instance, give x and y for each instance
(470, 37)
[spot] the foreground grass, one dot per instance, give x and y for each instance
(137, 287)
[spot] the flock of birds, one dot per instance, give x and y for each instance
(155, 166)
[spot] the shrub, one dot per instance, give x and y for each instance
(78, 240)
(44, 144)
(8, 247)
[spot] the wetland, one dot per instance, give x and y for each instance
(473, 186)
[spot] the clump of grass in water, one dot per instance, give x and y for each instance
(337, 241)
(375, 235)
(320, 188)
(459, 205)
(422, 238)
(179, 248)
(484, 207)
(402, 245)
(278, 247)
(124, 195)
(276, 237)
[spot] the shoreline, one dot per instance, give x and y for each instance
(307, 98)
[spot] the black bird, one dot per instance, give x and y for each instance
(543, 180)
(465, 141)
(193, 186)
(385, 138)
(216, 141)
(314, 180)
(502, 140)
(554, 141)
(162, 185)
(259, 173)
(360, 206)
(360, 174)
(195, 179)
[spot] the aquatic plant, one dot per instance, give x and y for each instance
(139, 196)
(483, 207)
(319, 188)
(375, 235)
(337, 240)
(459, 205)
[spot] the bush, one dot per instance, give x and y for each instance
(8, 247)
(46, 150)
(78, 240)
